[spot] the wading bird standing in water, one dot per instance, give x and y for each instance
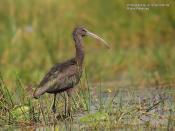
(64, 76)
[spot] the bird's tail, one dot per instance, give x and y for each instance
(35, 94)
(38, 92)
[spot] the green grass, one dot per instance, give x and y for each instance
(34, 35)
(93, 108)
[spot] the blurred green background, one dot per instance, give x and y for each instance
(35, 34)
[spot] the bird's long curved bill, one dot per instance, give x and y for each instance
(98, 38)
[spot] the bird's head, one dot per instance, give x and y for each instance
(84, 32)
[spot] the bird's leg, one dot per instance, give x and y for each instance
(69, 94)
(65, 104)
(53, 106)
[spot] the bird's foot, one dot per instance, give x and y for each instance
(68, 115)
(54, 109)
(63, 117)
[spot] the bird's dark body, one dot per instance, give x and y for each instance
(61, 77)
(66, 75)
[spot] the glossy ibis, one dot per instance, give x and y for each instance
(64, 76)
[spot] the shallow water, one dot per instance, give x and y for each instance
(153, 105)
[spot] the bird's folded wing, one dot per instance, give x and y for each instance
(42, 89)
(53, 78)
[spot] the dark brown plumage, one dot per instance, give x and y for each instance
(64, 76)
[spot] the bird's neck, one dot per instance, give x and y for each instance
(79, 56)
